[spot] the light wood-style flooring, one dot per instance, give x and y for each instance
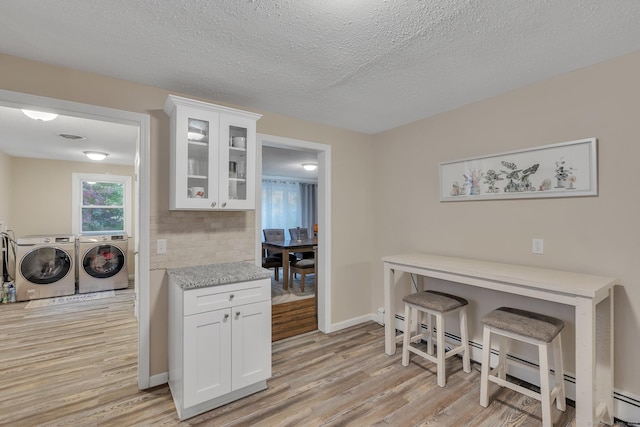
(75, 365)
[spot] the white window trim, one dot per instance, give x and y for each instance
(76, 194)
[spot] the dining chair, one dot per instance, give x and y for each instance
(302, 234)
(272, 262)
(273, 234)
(299, 233)
(302, 267)
(272, 258)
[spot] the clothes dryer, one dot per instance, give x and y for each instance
(102, 263)
(45, 266)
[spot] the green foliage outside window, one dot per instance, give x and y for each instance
(102, 206)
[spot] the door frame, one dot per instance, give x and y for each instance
(323, 151)
(141, 197)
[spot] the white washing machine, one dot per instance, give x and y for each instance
(45, 267)
(102, 263)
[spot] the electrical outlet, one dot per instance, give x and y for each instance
(538, 246)
(161, 246)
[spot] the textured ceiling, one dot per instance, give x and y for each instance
(366, 65)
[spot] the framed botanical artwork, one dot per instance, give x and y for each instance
(567, 169)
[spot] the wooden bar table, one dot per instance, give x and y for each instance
(591, 296)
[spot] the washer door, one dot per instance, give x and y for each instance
(103, 261)
(46, 265)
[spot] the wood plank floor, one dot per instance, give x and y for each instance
(75, 365)
(293, 318)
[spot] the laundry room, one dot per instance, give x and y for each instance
(67, 219)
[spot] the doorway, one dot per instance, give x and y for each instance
(141, 163)
(323, 266)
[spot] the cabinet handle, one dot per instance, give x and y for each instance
(231, 296)
(226, 316)
(213, 205)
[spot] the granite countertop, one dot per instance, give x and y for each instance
(203, 276)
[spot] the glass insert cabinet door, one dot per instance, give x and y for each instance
(196, 158)
(237, 153)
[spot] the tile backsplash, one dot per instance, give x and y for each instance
(197, 238)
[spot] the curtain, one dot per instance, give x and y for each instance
(288, 204)
(309, 205)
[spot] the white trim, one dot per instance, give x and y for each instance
(141, 200)
(76, 197)
(159, 379)
(626, 406)
(352, 322)
(324, 215)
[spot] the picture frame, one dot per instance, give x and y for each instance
(566, 169)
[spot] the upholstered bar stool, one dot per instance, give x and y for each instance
(436, 305)
(537, 329)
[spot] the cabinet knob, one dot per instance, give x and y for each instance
(237, 314)
(213, 205)
(226, 316)
(224, 205)
(231, 296)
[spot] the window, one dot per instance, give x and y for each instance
(101, 204)
(288, 204)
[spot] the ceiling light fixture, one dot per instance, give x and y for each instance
(39, 115)
(310, 166)
(95, 155)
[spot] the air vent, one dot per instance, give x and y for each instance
(71, 136)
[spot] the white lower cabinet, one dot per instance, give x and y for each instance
(219, 344)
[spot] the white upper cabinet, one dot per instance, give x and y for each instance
(213, 156)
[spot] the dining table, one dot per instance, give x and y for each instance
(285, 247)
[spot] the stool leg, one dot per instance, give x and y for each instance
(440, 350)
(484, 375)
(503, 345)
(429, 333)
(545, 391)
(302, 283)
(561, 402)
(466, 360)
(406, 338)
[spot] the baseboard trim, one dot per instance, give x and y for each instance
(351, 322)
(626, 407)
(159, 379)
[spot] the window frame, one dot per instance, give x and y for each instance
(76, 196)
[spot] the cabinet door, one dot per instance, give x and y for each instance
(251, 343)
(237, 162)
(207, 356)
(196, 159)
